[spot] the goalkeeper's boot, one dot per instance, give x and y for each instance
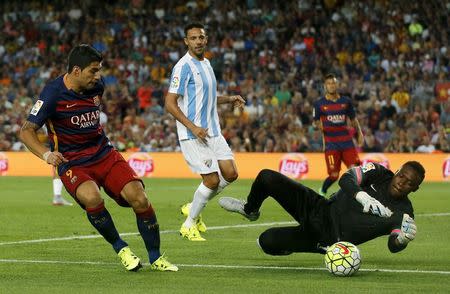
(192, 233)
(163, 265)
(237, 205)
(129, 260)
(201, 226)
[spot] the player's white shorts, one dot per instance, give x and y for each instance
(203, 158)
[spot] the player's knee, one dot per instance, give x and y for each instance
(145, 209)
(90, 199)
(270, 244)
(231, 177)
(135, 195)
(139, 201)
(265, 175)
(122, 202)
(264, 243)
(212, 181)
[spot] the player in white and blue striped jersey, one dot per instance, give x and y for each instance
(192, 99)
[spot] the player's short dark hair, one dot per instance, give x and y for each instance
(329, 76)
(415, 165)
(193, 25)
(82, 56)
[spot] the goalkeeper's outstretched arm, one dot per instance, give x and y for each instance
(393, 244)
(399, 238)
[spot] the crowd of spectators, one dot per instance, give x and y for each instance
(389, 57)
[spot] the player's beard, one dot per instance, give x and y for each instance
(332, 93)
(89, 85)
(199, 52)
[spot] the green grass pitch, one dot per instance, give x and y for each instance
(45, 249)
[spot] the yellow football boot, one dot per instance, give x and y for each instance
(129, 260)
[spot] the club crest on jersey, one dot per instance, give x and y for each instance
(36, 107)
(368, 166)
(96, 100)
(208, 162)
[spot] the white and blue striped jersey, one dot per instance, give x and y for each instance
(196, 84)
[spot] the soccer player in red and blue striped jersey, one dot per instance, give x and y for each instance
(332, 113)
(85, 158)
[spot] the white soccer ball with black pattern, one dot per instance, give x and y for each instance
(343, 259)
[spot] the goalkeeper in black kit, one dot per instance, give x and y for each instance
(373, 201)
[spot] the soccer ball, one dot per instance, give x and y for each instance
(342, 259)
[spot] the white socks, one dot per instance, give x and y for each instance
(222, 184)
(57, 188)
(201, 197)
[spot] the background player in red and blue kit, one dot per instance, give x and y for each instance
(332, 113)
(85, 158)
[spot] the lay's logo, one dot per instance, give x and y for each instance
(142, 164)
(446, 168)
(377, 158)
(294, 165)
(3, 164)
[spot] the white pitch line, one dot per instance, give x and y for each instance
(55, 262)
(135, 234)
(224, 266)
(310, 268)
(82, 237)
(434, 214)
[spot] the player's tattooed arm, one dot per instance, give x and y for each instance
(28, 135)
(30, 125)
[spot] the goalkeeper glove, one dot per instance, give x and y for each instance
(408, 230)
(371, 204)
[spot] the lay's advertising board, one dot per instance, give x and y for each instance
(298, 166)
(141, 163)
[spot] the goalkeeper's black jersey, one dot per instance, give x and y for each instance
(350, 222)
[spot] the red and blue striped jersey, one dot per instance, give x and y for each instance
(73, 122)
(333, 116)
